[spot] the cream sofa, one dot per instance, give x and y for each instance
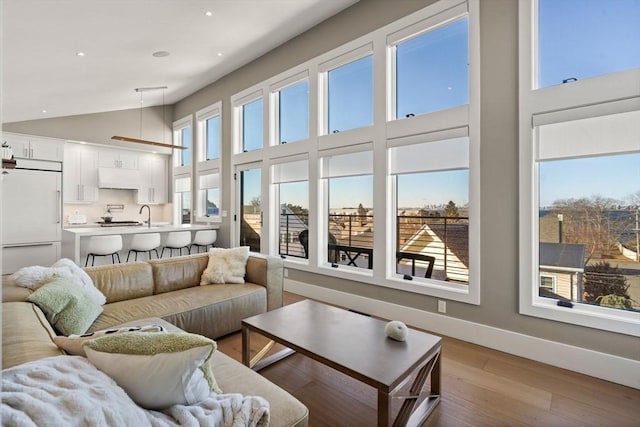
(160, 291)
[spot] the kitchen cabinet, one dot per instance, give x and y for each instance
(15, 257)
(117, 159)
(80, 174)
(34, 147)
(153, 179)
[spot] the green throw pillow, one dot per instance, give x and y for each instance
(69, 308)
(157, 370)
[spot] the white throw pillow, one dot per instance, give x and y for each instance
(157, 370)
(226, 265)
(73, 343)
(81, 278)
(35, 276)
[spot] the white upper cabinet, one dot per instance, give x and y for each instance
(80, 174)
(118, 159)
(153, 179)
(34, 147)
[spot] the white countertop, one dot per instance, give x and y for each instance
(104, 231)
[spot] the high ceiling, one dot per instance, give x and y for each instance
(42, 69)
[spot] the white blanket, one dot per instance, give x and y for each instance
(70, 391)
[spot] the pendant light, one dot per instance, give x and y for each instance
(145, 141)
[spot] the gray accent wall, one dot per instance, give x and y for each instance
(499, 163)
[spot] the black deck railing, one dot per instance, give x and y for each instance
(425, 246)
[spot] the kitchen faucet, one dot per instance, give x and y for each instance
(149, 210)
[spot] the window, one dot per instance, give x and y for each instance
(432, 210)
(212, 132)
(350, 95)
(291, 190)
(579, 39)
(182, 199)
(252, 129)
(547, 283)
(293, 112)
(349, 229)
(185, 141)
(182, 136)
(431, 70)
(209, 195)
(587, 204)
(579, 173)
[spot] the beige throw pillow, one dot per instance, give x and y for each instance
(157, 370)
(226, 265)
(73, 343)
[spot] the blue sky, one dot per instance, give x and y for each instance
(578, 39)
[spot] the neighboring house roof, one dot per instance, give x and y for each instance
(562, 256)
(427, 241)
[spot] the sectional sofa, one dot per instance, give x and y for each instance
(168, 292)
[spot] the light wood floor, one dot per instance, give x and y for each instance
(480, 387)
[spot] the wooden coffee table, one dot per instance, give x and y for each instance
(356, 345)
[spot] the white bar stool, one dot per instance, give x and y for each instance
(104, 246)
(204, 238)
(177, 240)
(144, 242)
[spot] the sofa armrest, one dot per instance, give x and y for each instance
(12, 292)
(267, 271)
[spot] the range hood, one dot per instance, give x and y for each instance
(123, 179)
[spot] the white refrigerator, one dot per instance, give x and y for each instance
(31, 215)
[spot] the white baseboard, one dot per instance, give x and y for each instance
(600, 365)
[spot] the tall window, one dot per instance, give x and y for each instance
(578, 39)
(432, 209)
(291, 190)
(182, 199)
(293, 112)
(252, 129)
(580, 157)
(350, 95)
(432, 70)
(350, 208)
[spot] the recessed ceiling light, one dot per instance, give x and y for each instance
(79, 53)
(44, 111)
(208, 13)
(219, 53)
(161, 54)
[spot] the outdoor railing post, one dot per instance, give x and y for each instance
(445, 246)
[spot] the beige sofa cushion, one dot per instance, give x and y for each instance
(119, 282)
(234, 377)
(211, 310)
(263, 272)
(177, 273)
(32, 340)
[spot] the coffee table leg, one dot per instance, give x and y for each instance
(246, 346)
(384, 409)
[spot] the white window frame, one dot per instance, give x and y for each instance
(201, 196)
(379, 135)
(178, 126)
(177, 198)
(238, 102)
(274, 197)
(274, 106)
(323, 82)
(560, 103)
(201, 119)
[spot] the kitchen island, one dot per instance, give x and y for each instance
(75, 240)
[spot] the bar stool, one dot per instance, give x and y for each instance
(204, 238)
(144, 242)
(104, 246)
(176, 240)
